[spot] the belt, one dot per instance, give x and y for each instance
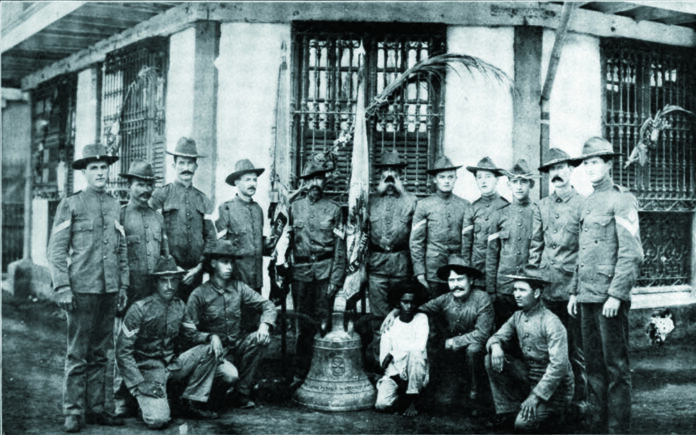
(387, 250)
(314, 257)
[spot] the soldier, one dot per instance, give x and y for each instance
(608, 263)
(534, 390)
(466, 318)
(480, 216)
(89, 265)
(213, 316)
(319, 261)
(241, 222)
(187, 218)
(437, 227)
(146, 352)
(389, 261)
(554, 248)
(147, 241)
(508, 241)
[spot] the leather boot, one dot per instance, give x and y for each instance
(103, 419)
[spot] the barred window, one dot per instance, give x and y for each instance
(53, 136)
(133, 107)
(325, 80)
(640, 80)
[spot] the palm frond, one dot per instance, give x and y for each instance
(672, 108)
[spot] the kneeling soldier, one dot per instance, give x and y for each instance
(536, 390)
(145, 352)
(213, 315)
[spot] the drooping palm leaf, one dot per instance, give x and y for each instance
(650, 133)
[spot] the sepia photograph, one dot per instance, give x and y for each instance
(354, 217)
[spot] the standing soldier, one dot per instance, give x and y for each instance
(147, 241)
(554, 248)
(437, 227)
(187, 218)
(508, 241)
(319, 261)
(89, 265)
(478, 220)
(608, 263)
(389, 261)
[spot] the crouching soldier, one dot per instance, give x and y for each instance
(403, 353)
(213, 315)
(536, 390)
(146, 352)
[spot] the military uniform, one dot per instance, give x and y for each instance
(475, 229)
(508, 249)
(436, 233)
(188, 225)
(88, 253)
(146, 351)
(212, 310)
(319, 261)
(544, 369)
(554, 248)
(608, 264)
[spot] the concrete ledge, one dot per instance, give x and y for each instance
(660, 300)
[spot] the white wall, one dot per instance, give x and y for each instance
(576, 98)
(39, 231)
(478, 111)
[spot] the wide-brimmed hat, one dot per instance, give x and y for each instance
(166, 266)
(441, 164)
(393, 159)
(221, 248)
(531, 274)
(556, 156)
(312, 168)
(141, 170)
(596, 147)
(93, 153)
(186, 147)
(485, 164)
(402, 287)
(520, 170)
(242, 167)
(456, 263)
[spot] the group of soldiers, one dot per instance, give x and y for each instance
(133, 275)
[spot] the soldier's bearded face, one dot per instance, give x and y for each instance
(459, 285)
(444, 181)
(486, 181)
(390, 182)
(167, 286)
(520, 188)
(222, 268)
(596, 168)
(96, 174)
(141, 190)
(560, 174)
(246, 184)
(525, 296)
(316, 184)
(185, 167)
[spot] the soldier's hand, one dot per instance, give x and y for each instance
(191, 274)
(611, 307)
(122, 300)
(497, 357)
(449, 344)
(424, 282)
(151, 389)
(573, 305)
(216, 346)
(262, 335)
(64, 299)
(528, 408)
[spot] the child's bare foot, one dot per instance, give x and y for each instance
(411, 411)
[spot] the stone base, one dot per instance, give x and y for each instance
(26, 279)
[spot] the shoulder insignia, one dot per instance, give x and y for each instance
(129, 333)
(418, 224)
(493, 237)
(467, 228)
(222, 233)
(630, 222)
(60, 227)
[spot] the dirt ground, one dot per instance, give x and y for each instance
(33, 346)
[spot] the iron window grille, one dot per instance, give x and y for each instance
(53, 137)
(325, 83)
(133, 108)
(641, 79)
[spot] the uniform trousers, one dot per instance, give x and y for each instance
(239, 366)
(314, 306)
(608, 367)
(512, 386)
(576, 353)
(90, 337)
(454, 370)
(196, 366)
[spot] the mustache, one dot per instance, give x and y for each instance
(557, 178)
(186, 172)
(384, 184)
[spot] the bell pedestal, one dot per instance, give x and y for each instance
(336, 380)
